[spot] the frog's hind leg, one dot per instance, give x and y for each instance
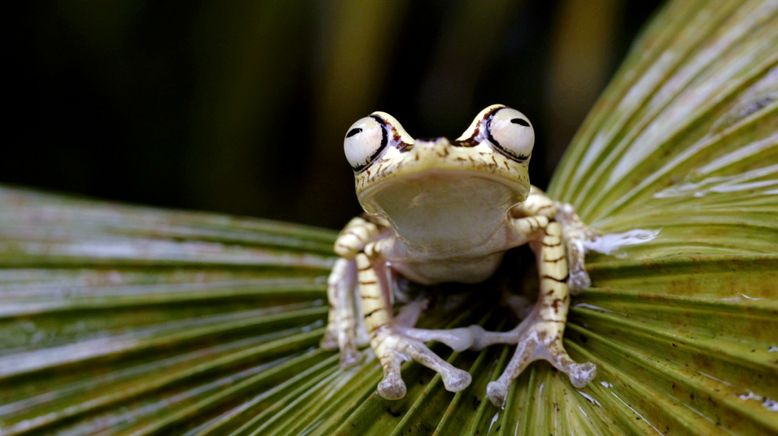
(345, 330)
(388, 340)
(539, 336)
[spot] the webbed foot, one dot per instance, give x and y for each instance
(396, 345)
(535, 339)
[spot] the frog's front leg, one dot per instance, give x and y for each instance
(345, 328)
(576, 234)
(391, 342)
(539, 336)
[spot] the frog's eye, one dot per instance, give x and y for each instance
(364, 141)
(369, 136)
(507, 130)
(511, 133)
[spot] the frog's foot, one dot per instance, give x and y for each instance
(329, 341)
(535, 339)
(396, 345)
(395, 342)
(349, 355)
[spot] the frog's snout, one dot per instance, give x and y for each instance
(431, 142)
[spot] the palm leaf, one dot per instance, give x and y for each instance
(129, 319)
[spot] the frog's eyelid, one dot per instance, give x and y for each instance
(473, 134)
(521, 158)
(400, 139)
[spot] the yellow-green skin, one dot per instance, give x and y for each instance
(441, 211)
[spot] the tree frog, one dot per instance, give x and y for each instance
(446, 211)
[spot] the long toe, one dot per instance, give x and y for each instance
(349, 358)
(392, 388)
(497, 391)
(456, 380)
(328, 342)
(582, 374)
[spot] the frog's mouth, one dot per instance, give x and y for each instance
(445, 207)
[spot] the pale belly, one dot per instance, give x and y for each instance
(462, 270)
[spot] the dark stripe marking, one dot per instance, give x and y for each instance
(384, 133)
(555, 304)
(354, 234)
(554, 260)
(373, 312)
(562, 280)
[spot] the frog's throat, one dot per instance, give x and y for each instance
(445, 209)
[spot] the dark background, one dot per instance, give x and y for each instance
(241, 107)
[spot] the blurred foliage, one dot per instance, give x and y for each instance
(241, 106)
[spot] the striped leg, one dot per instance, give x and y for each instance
(355, 236)
(345, 328)
(575, 233)
(387, 340)
(538, 203)
(539, 336)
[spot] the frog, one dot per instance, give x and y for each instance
(438, 211)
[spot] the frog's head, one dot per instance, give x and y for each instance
(476, 178)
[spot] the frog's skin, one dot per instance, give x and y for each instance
(441, 211)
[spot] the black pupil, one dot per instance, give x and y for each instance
(353, 132)
(520, 122)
